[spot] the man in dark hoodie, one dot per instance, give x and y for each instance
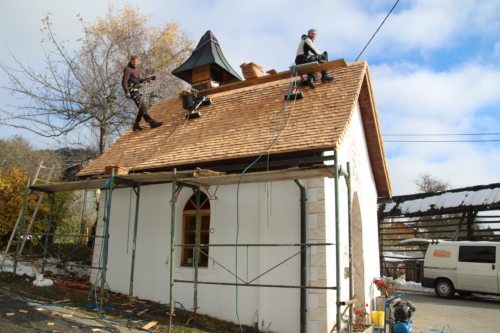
(306, 52)
(131, 83)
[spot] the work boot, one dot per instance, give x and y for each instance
(310, 81)
(136, 127)
(154, 123)
(326, 78)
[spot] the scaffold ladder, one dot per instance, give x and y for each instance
(36, 179)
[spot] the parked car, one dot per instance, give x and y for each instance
(463, 267)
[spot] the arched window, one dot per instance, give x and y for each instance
(189, 230)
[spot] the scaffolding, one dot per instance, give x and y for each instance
(195, 181)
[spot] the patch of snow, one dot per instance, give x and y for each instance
(77, 270)
(448, 200)
(413, 255)
(388, 207)
(416, 241)
(40, 281)
(69, 267)
(51, 265)
(402, 284)
(22, 268)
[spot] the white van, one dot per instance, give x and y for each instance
(462, 266)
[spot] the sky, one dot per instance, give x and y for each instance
(434, 65)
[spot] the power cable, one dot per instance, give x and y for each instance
(443, 141)
(440, 134)
(380, 26)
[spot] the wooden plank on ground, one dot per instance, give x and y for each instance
(61, 301)
(149, 325)
(140, 313)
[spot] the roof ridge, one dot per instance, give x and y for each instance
(339, 63)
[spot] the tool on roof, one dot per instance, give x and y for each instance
(193, 100)
(305, 78)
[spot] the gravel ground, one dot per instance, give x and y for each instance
(18, 315)
(476, 314)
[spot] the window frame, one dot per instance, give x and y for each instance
(486, 260)
(187, 253)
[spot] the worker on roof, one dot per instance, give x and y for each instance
(131, 83)
(306, 52)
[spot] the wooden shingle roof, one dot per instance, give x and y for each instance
(249, 117)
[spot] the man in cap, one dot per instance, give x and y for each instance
(306, 52)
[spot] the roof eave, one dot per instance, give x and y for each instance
(373, 135)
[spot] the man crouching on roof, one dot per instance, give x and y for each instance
(131, 83)
(306, 52)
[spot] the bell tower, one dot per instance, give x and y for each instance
(207, 67)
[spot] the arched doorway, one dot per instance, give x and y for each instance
(190, 233)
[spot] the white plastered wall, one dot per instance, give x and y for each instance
(321, 228)
(268, 214)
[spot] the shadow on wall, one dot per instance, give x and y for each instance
(357, 254)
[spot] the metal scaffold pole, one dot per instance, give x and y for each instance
(172, 248)
(337, 240)
(347, 177)
(20, 225)
(137, 190)
(196, 250)
(105, 239)
(49, 226)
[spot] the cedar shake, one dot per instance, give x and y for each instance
(241, 123)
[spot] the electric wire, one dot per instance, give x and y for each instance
(376, 31)
(441, 141)
(440, 134)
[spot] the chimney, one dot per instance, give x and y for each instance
(206, 65)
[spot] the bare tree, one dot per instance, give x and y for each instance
(427, 183)
(81, 90)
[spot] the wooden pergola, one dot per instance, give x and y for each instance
(407, 222)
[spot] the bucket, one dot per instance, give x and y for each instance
(378, 318)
